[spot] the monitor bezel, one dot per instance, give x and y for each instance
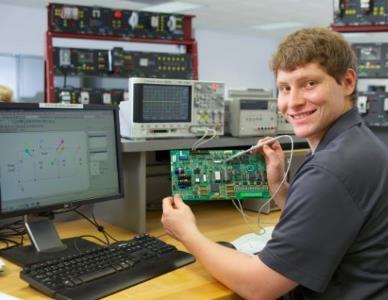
(78, 203)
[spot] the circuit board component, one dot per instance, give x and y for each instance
(206, 175)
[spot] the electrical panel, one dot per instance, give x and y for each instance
(121, 63)
(93, 20)
(360, 12)
(150, 64)
(93, 70)
(372, 59)
(373, 107)
(78, 61)
(89, 95)
(207, 175)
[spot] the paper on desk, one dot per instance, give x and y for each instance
(253, 243)
(4, 296)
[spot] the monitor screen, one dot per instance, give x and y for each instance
(53, 158)
(159, 103)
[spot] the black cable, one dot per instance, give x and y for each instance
(8, 241)
(105, 232)
(93, 223)
(9, 231)
(99, 227)
(63, 211)
(94, 237)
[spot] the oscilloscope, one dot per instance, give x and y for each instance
(160, 108)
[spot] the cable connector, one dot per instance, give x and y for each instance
(199, 130)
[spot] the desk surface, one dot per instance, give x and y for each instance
(218, 220)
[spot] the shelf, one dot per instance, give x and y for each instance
(188, 42)
(360, 28)
(187, 143)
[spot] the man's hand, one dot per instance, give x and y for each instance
(274, 160)
(178, 219)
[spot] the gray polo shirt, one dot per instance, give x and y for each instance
(332, 237)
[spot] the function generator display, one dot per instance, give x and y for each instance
(207, 175)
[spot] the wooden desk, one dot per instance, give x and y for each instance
(218, 220)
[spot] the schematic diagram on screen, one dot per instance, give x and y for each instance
(53, 163)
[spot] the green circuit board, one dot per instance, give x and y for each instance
(206, 175)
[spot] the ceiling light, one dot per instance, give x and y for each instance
(280, 25)
(171, 7)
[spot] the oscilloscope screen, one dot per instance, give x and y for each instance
(162, 103)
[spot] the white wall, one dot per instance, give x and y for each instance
(22, 30)
(239, 61)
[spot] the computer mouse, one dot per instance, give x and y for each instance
(226, 244)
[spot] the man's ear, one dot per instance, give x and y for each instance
(349, 81)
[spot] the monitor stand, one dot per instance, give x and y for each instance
(46, 244)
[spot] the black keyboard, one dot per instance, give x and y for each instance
(105, 270)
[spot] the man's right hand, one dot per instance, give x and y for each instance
(275, 164)
(178, 220)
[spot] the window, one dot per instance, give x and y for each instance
(24, 74)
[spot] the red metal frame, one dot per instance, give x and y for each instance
(49, 69)
(188, 41)
(360, 28)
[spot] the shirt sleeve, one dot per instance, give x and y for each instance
(318, 224)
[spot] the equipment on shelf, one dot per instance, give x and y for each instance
(103, 21)
(360, 12)
(150, 64)
(253, 117)
(372, 59)
(96, 69)
(251, 112)
(367, 16)
(121, 63)
(238, 94)
(164, 108)
(90, 95)
(104, 270)
(209, 175)
(373, 107)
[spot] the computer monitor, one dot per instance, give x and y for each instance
(54, 157)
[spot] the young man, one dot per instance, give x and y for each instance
(331, 241)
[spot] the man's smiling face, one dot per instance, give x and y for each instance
(312, 100)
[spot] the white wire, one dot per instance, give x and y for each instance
(267, 202)
(194, 147)
(202, 140)
(261, 209)
(269, 141)
(238, 205)
(209, 139)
